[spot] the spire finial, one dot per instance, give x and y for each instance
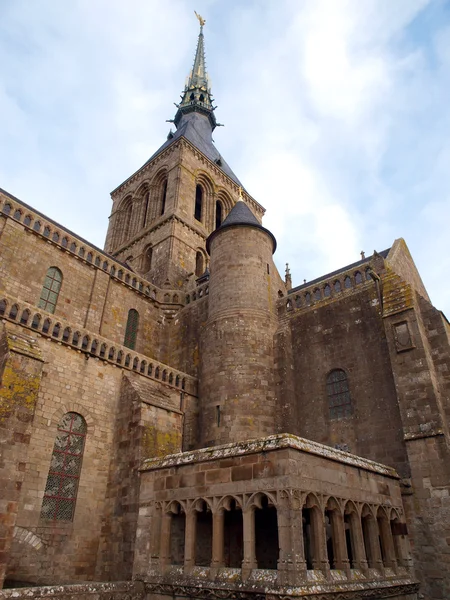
(201, 20)
(197, 96)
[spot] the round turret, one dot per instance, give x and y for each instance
(236, 380)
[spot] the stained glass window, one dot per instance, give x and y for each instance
(339, 401)
(132, 329)
(50, 291)
(65, 466)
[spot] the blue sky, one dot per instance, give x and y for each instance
(336, 113)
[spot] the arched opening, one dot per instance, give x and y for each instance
(145, 212)
(50, 290)
(62, 482)
(164, 197)
(177, 534)
(131, 330)
(198, 203)
(219, 214)
(147, 259)
(203, 540)
(339, 400)
(233, 536)
(266, 534)
(199, 264)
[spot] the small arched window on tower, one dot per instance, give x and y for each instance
(146, 203)
(339, 401)
(50, 291)
(131, 329)
(219, 214)
(147, 259)
(164, 197)
(198, 202)
(199, 264)
(65, 466)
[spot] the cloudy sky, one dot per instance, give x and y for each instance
(336, 113)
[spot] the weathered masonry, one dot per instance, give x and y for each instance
(179, 421)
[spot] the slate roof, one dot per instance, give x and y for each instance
(196, 128)
(354, 265)
(241, 216)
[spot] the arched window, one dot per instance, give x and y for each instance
(146, 203)
(347, 282)
(164, 197)
(199, 264)
(219, 214)
(131, 329)
(65, 466)
(358, 277)
(337, 286)
(339, 401)
(327, 291)
(50, 291)
(147, 259)
(125, 220)
(198, 203)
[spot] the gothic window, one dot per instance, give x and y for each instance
(55, 237)
(7, 209)
(308, 298)
(126, 219)
(46, 231)
(317, 294)
(199, 264)
(337, 286)
(131, 329)
(27, 220)
(198, 203)
(164, 197)
(347, 282)
(73, 247)
(147, 259)
(146, 202)
(219, 214)
(339, 401)
(37, 226)
(327, 291)
(358, 277)
(65, 466)
(13, 312)
(18, 215)
(3, 306)
(368, 277)
(50, 291)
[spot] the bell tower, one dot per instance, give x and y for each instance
(164, 212)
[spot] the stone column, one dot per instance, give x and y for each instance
(387, 543)
(339, 543)
(291, 563)
(375, 560)
(359, 551)
(319, 541)
(249, 562)
(284, 564)
(190, 539)
(218, 540)
(164, 552)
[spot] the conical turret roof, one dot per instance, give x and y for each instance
(240, 216)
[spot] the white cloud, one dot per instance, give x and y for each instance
(335, 114)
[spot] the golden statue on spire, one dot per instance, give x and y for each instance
(201, 20)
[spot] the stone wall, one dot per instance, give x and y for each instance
(344, 332)
(21, 365)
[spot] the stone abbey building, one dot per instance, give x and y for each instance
(179, 421)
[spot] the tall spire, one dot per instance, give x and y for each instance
(197, 96)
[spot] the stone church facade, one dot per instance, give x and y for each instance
(176, 419)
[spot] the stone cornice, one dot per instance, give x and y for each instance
(268, 444)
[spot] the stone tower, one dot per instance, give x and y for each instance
(236, 380)
(164, 212)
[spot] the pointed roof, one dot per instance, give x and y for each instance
(195, 119)
(197, 96)
(240, 216)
